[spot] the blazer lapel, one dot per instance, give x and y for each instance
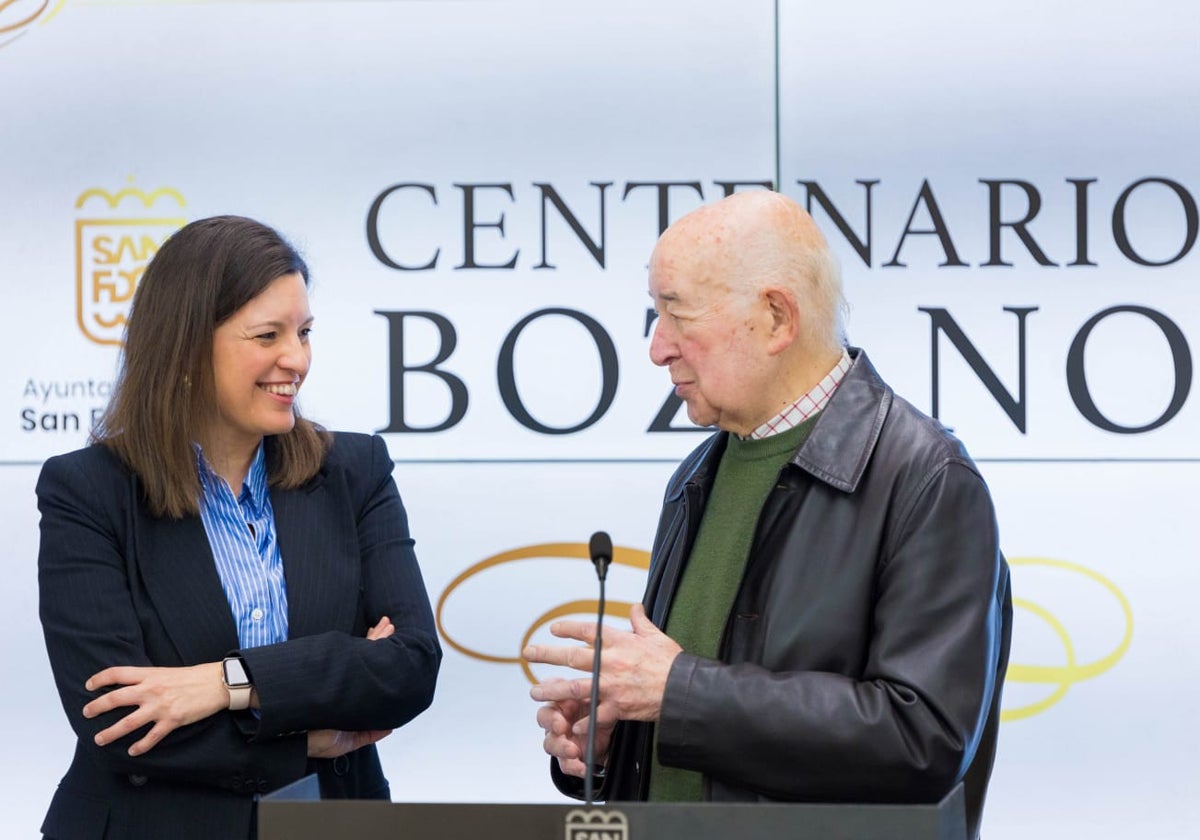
(319, 547)
(177, 567)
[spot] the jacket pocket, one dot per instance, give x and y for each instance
(75, 816)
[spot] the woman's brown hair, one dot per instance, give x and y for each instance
(203, 274)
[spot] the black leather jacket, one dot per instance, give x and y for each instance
(864, 656)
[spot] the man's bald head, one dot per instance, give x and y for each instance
(751, 240)
(747, 297)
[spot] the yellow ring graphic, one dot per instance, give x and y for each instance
(1063, 676)
(57, 8)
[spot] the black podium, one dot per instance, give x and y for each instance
(293, 814)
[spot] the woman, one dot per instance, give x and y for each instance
(229, 593)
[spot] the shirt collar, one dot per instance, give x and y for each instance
(254, 485)
(807, 405)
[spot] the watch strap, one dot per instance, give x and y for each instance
(239, 697)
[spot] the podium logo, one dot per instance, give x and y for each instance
(116, 234)
(546, 556)
(596, 824)
(16, 16)
(1102, 629)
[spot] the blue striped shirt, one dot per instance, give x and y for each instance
(241, 531)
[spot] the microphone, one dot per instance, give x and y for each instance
(600, 547)
(601, 550)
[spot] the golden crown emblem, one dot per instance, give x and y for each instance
(115, 238)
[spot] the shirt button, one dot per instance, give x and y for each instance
(257, 614)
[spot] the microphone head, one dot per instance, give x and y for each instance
(601, 549)
(600, 546)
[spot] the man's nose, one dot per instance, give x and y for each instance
(662, 346)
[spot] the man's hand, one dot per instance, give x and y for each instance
(566, 724)
(633, 677)
(167, 697)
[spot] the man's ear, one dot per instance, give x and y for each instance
(785, 319)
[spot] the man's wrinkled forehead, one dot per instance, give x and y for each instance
(681, 277)
(688, 257)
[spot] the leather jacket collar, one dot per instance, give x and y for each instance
(840, 446)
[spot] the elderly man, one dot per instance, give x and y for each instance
(835, 610)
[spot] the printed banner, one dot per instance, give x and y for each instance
(1011, 190)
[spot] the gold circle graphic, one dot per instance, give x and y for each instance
(622, 556)
(16, 17)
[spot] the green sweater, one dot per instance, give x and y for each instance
(701, 606)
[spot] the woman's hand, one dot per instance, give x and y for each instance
(167, 697)
(330, 743)
(173, 697)
(381, 630)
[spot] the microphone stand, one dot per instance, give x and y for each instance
(600, 548)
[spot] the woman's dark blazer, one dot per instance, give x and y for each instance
(119, 586)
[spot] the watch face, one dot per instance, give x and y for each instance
(235, 671)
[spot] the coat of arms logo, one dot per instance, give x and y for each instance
(116, 234)
(596, 824)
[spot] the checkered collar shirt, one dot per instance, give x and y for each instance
(807, 405)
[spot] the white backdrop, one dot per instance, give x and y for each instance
(528, 153)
